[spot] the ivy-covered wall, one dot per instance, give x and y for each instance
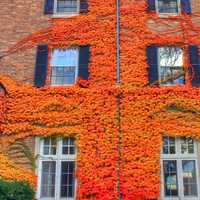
(90, 113)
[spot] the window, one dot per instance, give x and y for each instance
(170, 64)
(66, 6)
(56, 171)
(179, 174)
(64, 66)
(168, 6)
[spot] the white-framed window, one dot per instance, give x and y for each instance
(168, 7)
(66, 7)
(56, 168)
(170, 66)
(179, 169)
(64, 66)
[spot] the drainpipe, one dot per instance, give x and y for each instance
(118, 97)
(118, 39)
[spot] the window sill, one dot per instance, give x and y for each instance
(66, 85)
(64, 15)
(167, 15)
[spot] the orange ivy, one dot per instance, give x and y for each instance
(88, 111)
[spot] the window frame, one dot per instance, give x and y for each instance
(65, 14)
(76, 70)
(179, 157)
(58, 158)
(159, 67)
(168, 14)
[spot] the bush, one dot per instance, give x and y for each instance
(15, 191)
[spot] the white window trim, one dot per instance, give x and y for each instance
(179, 157)
(164, 15)
(76, 71)
(40, 158)
(159, 67)
(65, 14)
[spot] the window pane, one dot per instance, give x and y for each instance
(48, 179)
(169, 145)
(170, 178)
(64, 57)
(67, 6)
(171, 66)
(168, 6)
(172, 76)
(46, 150)
(49, 147)
(64, 64)
(68, 146)
(67, 178)
(189, 178)
(187, 145)
(46, 141)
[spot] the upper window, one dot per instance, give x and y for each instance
(56, 169)
(170, 64)
(66, 6)
(168, 6)
(64, 66)
(179, 169)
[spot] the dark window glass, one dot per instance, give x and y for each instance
(187, 145)
(168, 6)
(67, 178)
(170, 178)
(68, 6)
(68, 146)
(169, 146)
(48, 179)
(49, 147)
(189, 178)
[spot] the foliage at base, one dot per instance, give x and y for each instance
(15, 191)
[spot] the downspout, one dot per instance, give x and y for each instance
(118, 40)
(118, 98)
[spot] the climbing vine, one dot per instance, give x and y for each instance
(90, 113)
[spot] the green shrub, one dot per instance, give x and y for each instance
(15, 191)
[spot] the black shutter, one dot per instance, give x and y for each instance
(84, 55)
(41, 65)
(48, 7)
(152, 61)
(186, 6)
(151, 7)
(194, 68)
(83, 6)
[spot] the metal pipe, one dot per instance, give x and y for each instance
(118, 39)
(119, 148)
(118, 97)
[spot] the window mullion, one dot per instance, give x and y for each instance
(55, 7)
(162, 179)
(78, 6)
(180, 178)
(57, 179)
(59, 143)
(179, 6)
(197, 176)
(77, 65)
(159, 66)
(39, 179)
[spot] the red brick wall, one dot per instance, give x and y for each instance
(20, 158)
(19, 18)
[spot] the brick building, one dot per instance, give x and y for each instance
(88, 137)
